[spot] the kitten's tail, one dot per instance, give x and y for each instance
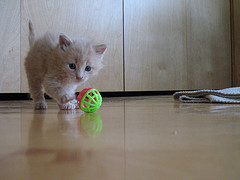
(31, 35)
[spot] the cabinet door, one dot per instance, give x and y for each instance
(236, 42)
(176, 44)
(10, 46)
(208, 44)
(98, 20)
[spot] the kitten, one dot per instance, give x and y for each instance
(60, 64)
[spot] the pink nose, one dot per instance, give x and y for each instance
(79, 78)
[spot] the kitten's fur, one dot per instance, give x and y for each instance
(47, 65)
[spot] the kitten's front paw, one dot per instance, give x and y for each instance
(68, 106)
(75, 103)
(66, 98)
(40, 105)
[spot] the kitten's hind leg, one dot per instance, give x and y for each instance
(37, 94)
(40, 105)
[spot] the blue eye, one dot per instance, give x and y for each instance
(88, 68)
(72, 66)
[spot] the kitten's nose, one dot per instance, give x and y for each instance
(79, 78)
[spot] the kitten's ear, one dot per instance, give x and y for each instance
(64, 41)
(100, 49)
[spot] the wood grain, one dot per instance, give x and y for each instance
(155, 45)
(208, 44)
(98, 20)
(236, 42)
(172, 45)
(132, 138)
(10, 46)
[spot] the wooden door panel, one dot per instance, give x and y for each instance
(10, 46)
(98, 20)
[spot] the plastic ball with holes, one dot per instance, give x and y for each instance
(89, 100)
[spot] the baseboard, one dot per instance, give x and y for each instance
(26, 96)
(136, 93)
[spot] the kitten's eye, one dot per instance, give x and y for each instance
(72, 66)
(88, 68)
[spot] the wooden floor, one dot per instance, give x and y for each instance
(142, 138)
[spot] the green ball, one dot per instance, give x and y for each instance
(89, 100)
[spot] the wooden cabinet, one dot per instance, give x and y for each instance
(10, 46)
(98, 20)
(162, 45)
(155, 45)
(236, 42)
(208, 44)
(177, 44)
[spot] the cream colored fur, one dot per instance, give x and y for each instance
(47, 67)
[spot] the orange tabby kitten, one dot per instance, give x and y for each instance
(60, 64)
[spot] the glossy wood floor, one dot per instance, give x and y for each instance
(143, 138)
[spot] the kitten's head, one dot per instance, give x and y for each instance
(78, 59)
